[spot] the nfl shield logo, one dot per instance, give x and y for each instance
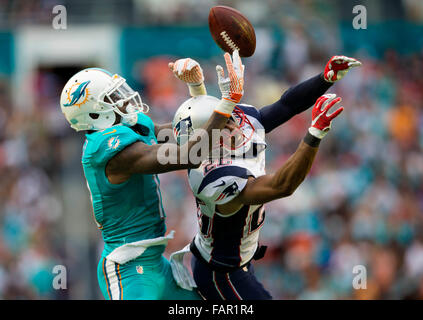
(140, 269)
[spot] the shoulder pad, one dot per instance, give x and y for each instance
(223, 184)
(103, 145)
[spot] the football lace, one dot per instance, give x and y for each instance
(229, 41)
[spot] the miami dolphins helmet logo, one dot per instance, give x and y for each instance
(79, 95)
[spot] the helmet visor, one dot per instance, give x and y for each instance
(124, 98)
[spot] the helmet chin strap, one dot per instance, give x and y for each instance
(240, 151)
(131, 118)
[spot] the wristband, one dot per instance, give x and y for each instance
(197, 89)
(318, 133)
(311, 140)
(225, 107)
(322, 76)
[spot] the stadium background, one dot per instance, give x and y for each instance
(361, 204)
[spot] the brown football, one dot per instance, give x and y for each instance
(231, 30)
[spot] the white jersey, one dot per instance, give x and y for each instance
(229, 240)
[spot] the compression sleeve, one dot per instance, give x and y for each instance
(294, 101)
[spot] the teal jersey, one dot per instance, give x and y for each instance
(130, 211)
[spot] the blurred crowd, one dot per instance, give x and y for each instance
(361, 205)
(30, 203)
(189, 12)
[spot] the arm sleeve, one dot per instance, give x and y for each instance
(294, 101)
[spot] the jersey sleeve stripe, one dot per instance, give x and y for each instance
(218, 173)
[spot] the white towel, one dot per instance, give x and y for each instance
(132, 250)
(180, 272)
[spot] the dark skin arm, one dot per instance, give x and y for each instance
(286, 180)
(142, 158)
(274, 186)
(159, 127)
(145, 159)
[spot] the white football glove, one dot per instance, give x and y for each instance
(189, 71)
(232, 87)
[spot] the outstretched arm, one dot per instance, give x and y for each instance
(300, 97)
(159, 127)
(286, 180)
(189, 71)
(142, 158)
(294, 101)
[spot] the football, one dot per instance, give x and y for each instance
(231, 30)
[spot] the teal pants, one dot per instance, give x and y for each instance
(140, 279)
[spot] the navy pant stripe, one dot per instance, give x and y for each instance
(232, 287)
(225, 287)
(218, 290)
(236, 285)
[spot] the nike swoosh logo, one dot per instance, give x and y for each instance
(219, 185)
(113, 131)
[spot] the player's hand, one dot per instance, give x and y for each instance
(338, 66)
(321, 120)
(188, 70)
(232, 87)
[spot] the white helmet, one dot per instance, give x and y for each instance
(91, 99)
(194, 114)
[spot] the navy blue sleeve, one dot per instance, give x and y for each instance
(294, 101)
